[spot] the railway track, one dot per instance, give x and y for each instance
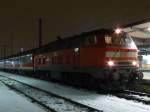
(135, 96)
(49, 101)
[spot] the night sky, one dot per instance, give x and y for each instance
(19, 18)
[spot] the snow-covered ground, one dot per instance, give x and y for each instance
(12, 102)
(146, 75)
(102, 102)
(51, 101)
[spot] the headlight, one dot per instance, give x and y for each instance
(118, 31)
(134, 63)
(110, 63)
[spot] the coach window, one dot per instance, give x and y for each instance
(39, 61)
(95, 39)
(44, 60)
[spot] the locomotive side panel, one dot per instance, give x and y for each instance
(89, 56)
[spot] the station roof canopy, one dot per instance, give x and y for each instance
(140, 29)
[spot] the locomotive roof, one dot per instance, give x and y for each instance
(139, 29)
(57, 44)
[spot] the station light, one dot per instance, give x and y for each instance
(148, 28)
(28, 55)
(21, 49)
(7, 61)
(12, 63)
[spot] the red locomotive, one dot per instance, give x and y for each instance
(100, 58)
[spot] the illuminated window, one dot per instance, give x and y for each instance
(112, 54)
(95, 39)
(132, 54)
(108, 39)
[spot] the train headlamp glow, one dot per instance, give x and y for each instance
(134, 63)
(118, 31)
(110, 63)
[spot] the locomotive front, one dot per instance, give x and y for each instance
(120, 59)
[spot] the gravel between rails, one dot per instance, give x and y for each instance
(133, 95)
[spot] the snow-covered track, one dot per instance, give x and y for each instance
(48, 109)
(133, 95)
(137, 93)
(47, 100)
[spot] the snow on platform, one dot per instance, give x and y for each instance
(12, 102)
(102, 102)
(146, 75)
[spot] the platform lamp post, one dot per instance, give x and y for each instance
(4, 50)
(12, 45)
(4, 53)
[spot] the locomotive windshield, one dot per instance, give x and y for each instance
(121, 39)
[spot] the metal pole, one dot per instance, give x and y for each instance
(4, 49)
(40, 32)
(12, 42)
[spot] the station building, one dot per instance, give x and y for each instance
(140, 31)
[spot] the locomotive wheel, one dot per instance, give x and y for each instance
(139, 77)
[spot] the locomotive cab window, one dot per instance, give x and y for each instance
(91, 40)
(122, 39)
(128, 40)
(108, 39)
